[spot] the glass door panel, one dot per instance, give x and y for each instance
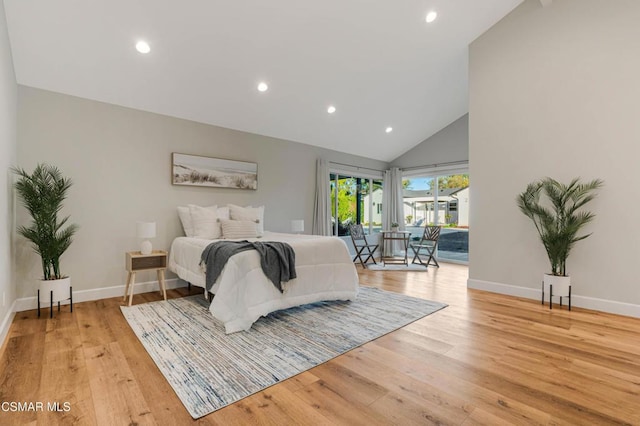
(440, 200)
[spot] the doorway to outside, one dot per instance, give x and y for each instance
(355, 199)
(440, 199)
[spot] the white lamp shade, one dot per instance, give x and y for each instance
(297, 225)
(146, 229)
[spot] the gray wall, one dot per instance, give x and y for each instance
(119, 160)
(554, 91)
(8, 140)
(450, 144)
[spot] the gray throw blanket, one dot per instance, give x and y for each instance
(276, 259)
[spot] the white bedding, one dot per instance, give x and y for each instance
(243, 293)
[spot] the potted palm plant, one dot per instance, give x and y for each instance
(554, 209)
(42, 193)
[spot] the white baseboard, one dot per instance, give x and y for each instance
(28, 303)
(603, 305)
(6, 323)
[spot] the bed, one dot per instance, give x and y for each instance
(243, 293)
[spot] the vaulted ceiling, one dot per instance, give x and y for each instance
(379, 63)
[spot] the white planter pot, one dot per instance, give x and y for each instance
(61, 289)
(561, 285)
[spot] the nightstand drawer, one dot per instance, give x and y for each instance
(148, 262)
(139, 262)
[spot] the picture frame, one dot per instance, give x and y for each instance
(197, 170)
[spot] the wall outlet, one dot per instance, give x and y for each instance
(4, 299)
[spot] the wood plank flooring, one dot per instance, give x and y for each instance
(487, 359)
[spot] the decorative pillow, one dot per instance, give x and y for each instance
(238, 229)
(187, 223)
(223, 213)
(185, 219)
(205, 222)
(254, 214)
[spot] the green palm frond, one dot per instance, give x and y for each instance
(42, 193)
(553, 208)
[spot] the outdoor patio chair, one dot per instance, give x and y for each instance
(361, 245)
(426, 247)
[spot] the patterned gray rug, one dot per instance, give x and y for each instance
(209, 369)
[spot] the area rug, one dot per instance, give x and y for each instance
(209, 369)
(395, 267)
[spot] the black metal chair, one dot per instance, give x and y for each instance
(361, 245)
(427, 246)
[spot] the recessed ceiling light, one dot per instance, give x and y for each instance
(331, 109)
(389, 129)
(431, 16)
(262, 86)
(143, 47)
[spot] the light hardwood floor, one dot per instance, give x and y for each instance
(485, 359)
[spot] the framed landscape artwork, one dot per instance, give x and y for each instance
(215, 172)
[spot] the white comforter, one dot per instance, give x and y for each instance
(243, 293)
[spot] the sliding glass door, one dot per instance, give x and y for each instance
(355, 199)
(440, 199)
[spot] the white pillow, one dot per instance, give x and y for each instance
(239, 229)
(205, 222)
(254, 214)
(223, 213)
(185, 218)
(187, 223)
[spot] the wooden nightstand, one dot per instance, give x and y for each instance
(137, 261)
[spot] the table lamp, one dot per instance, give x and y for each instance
(145, 230)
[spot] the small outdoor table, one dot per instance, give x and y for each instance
(389, 237)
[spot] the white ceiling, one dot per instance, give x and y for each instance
(378, 62)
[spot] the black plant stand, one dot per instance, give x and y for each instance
(70, 299)
(551, 296)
